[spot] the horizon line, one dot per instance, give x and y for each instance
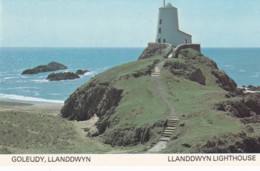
(237, 47)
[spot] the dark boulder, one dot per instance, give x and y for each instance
(128, 136)
(187, 71)
(53, 66)
(231, 143)
(62, 76)
(81, 72)
(90, 100)
(224, 81)
(152, 50)
(247, 106)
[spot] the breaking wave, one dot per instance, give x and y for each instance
(28, 99)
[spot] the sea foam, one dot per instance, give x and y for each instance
(28, 99)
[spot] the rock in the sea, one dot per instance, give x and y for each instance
(81, 72)
(53, 66)
(62, 76)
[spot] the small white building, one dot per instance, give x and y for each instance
(168, 27)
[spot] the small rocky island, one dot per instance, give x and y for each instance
(52, 66)
(81, 72)
(62, 76)
(66, 75)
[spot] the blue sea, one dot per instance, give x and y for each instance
(242, 64)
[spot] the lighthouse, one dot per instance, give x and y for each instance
(168, 27)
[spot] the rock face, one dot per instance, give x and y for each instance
(128, 136)
(232, 143)
(248, 106)
(62, 76)
(186, 70)
(152, 50)
(53, 66)
(93, 99)
(81, 72)
(224, 81)
(193, 58)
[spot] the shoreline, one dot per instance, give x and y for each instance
(35, 108)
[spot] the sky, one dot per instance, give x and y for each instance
(125, 23)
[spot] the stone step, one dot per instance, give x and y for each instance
(171, 128)
(171, 125)
(168, 131)
(173, 120)
(164, 139)
(166, 135)
(155, 75)
(165, 132)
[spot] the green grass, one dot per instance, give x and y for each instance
(125, 69)
(37, 133)
(139, 106)
(194, 105)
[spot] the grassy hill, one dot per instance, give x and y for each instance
(132, 113)
(132, 109)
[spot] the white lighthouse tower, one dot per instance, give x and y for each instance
(168, 27)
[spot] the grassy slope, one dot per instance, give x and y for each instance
(138, 105)
(40, 133)
(194, 105)
(37, 133)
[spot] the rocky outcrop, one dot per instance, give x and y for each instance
(250, 88)
(224, 81)
(93, 99)
(128, 136)
(152, 50)
(186, 70)
(248, 106)
(146, 71)
(53, 66)
(194, 57)
(62, 76)
(81, 72)
(231, 143)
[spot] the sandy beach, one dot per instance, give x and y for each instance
(50, 109)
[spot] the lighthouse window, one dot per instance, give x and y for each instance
(164, 40)
(160, 21)
(160, 30)
(159, 40)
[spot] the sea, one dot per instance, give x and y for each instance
(242, 64)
